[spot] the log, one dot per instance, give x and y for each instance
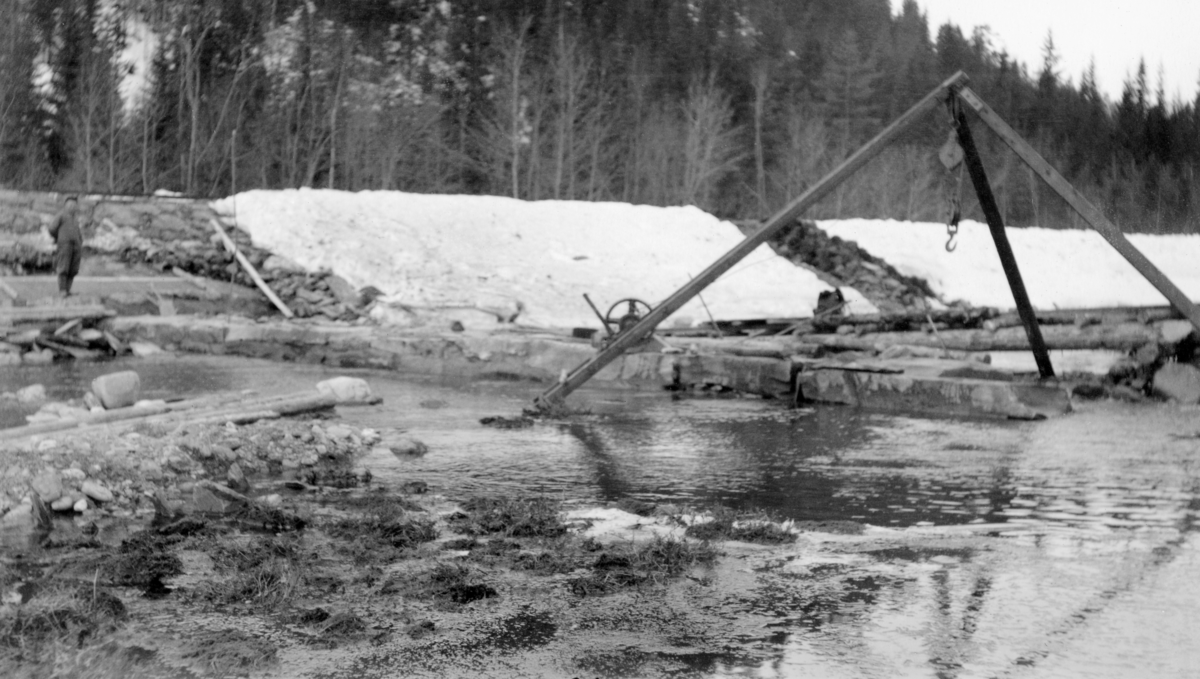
(279, 406)
(250, 270)
(55, 314)
(1121, 337)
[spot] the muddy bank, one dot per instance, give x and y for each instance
(269, 548)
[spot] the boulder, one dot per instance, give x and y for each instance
(34, 394)
(117, 390)
(1178, 381)
(346, 389)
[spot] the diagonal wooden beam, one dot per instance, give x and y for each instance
(1090, 213)
(555, 394)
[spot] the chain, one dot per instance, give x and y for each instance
(955, 211)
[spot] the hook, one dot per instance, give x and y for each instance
(950, 244)
(952, 228)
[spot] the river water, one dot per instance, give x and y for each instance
(1061, 548)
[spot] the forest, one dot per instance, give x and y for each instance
(734, 106)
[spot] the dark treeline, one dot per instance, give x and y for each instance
(731, 105)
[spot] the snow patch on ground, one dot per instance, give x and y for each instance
(442, 251)
(1062, 269)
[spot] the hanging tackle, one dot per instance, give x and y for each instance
(951, 155)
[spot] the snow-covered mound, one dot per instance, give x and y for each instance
(1062, 269)
(436, 252)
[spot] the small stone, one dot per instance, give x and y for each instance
(236, 478)
(405, 446)
(92, 403)
(34, 394)
(63, 504)
(74, 474)
(346, 389)
(47, 444)
(81, 506)
(224, 453)
(272, 500)
(339, 431)
(48, 485)
(96, 491)
(144, 349)
(43, 357)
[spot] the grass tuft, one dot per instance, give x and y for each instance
(512, 517)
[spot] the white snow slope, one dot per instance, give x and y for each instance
(1063, 269)
(437, 251)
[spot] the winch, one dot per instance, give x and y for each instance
(623, 314)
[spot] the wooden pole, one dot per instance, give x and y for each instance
(262, 285)
(1090, 213)
(991, 212)
(555, 394)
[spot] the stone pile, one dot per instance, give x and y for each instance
(802, 242)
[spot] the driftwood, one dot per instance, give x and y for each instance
(251, 271)
(910, 320)
(1122, 337)
(214, 408)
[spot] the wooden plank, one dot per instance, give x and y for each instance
(1008, 260)
(584, 372)
(1090, 213)
(253, 273)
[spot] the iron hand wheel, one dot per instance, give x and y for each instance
(631, 316)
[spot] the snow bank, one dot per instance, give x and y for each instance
(441, 251)
(1061, 268)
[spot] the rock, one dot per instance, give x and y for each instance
(81, 506)
(1174, 332)
(346, 389)
(339, 431)
(236, 478)
(213, 498)
(96, 491)
(117, 390)
(20, 516)
(343, 290)
(73, 474)
(405, 446)
(223, 453)
(1147, 354)
(93, 403)
(1088, 391)
(9, 359)
(63, 504)
(144, 349)
(43, 357)
(47, 444)
(48, 485)
(272, 500)
(1179, 382)
(1124, 393)
(34, 394)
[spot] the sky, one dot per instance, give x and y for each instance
(1116, 33)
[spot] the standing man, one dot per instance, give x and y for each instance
(68, 241)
